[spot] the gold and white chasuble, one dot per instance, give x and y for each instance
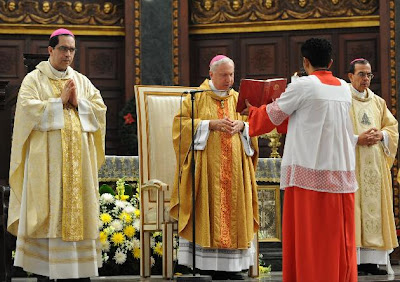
(55, 156)
(375, 226)
(226, 190)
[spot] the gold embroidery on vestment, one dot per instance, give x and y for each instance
(71, 139)
(225, 181)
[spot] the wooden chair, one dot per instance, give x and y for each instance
(156, 107)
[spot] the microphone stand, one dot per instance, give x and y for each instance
(193, 169)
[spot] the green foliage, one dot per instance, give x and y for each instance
(106, 189)
(129, 190)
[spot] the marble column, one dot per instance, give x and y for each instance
(156, 42)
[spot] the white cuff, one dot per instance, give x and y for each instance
(53, 116)
(385, 143)
(88, 119)
(246, 141)
(201, 136)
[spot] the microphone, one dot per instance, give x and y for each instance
(196, 91)
(204, 90)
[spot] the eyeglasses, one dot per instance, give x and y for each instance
(64, 49)
(364, 74)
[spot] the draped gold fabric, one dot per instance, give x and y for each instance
(60, 176)
(375, 226)
(226, 190)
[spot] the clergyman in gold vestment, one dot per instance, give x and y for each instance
(226, 190)
(57, 149)
(377, 131)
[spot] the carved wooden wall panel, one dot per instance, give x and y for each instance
(101, 61)
(361, 45)
(204, 51)
(10, 53)
(260, 57)
(39, 46)
(295, 59)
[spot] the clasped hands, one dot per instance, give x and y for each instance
(370, 137)
(68, 94)
(226, 125)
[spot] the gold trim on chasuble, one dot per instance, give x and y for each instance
(225, 179)
(71, 141)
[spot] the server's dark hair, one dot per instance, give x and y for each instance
(318, 51)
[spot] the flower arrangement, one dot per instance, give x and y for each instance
(119, 227)
(262, 268)
(128, 128)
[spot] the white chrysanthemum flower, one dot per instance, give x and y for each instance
(101, 223)
(153, 261)
(136, 224)
(119, 257)
(117, 224)
(107, 198)
(129, 209)
(129, 245)
(105, 257)
(105, 246)
(120, 204)
(152, 242)
(136, 243)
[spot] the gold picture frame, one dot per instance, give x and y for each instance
(269, 201)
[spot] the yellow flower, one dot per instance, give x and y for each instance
(105, 217)
(103, 237)
(157, 233)
(126, 217)
(118, 238)
(136, 253)
(122, 197)
(129, 231)
(158, 249)
(137, 213)
(264, 269)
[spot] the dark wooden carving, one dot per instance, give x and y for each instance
(363, 45)
(102, 62)
(203, 52)
(109, 13)
(260, 57)
(31, 60)
(238, 11)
